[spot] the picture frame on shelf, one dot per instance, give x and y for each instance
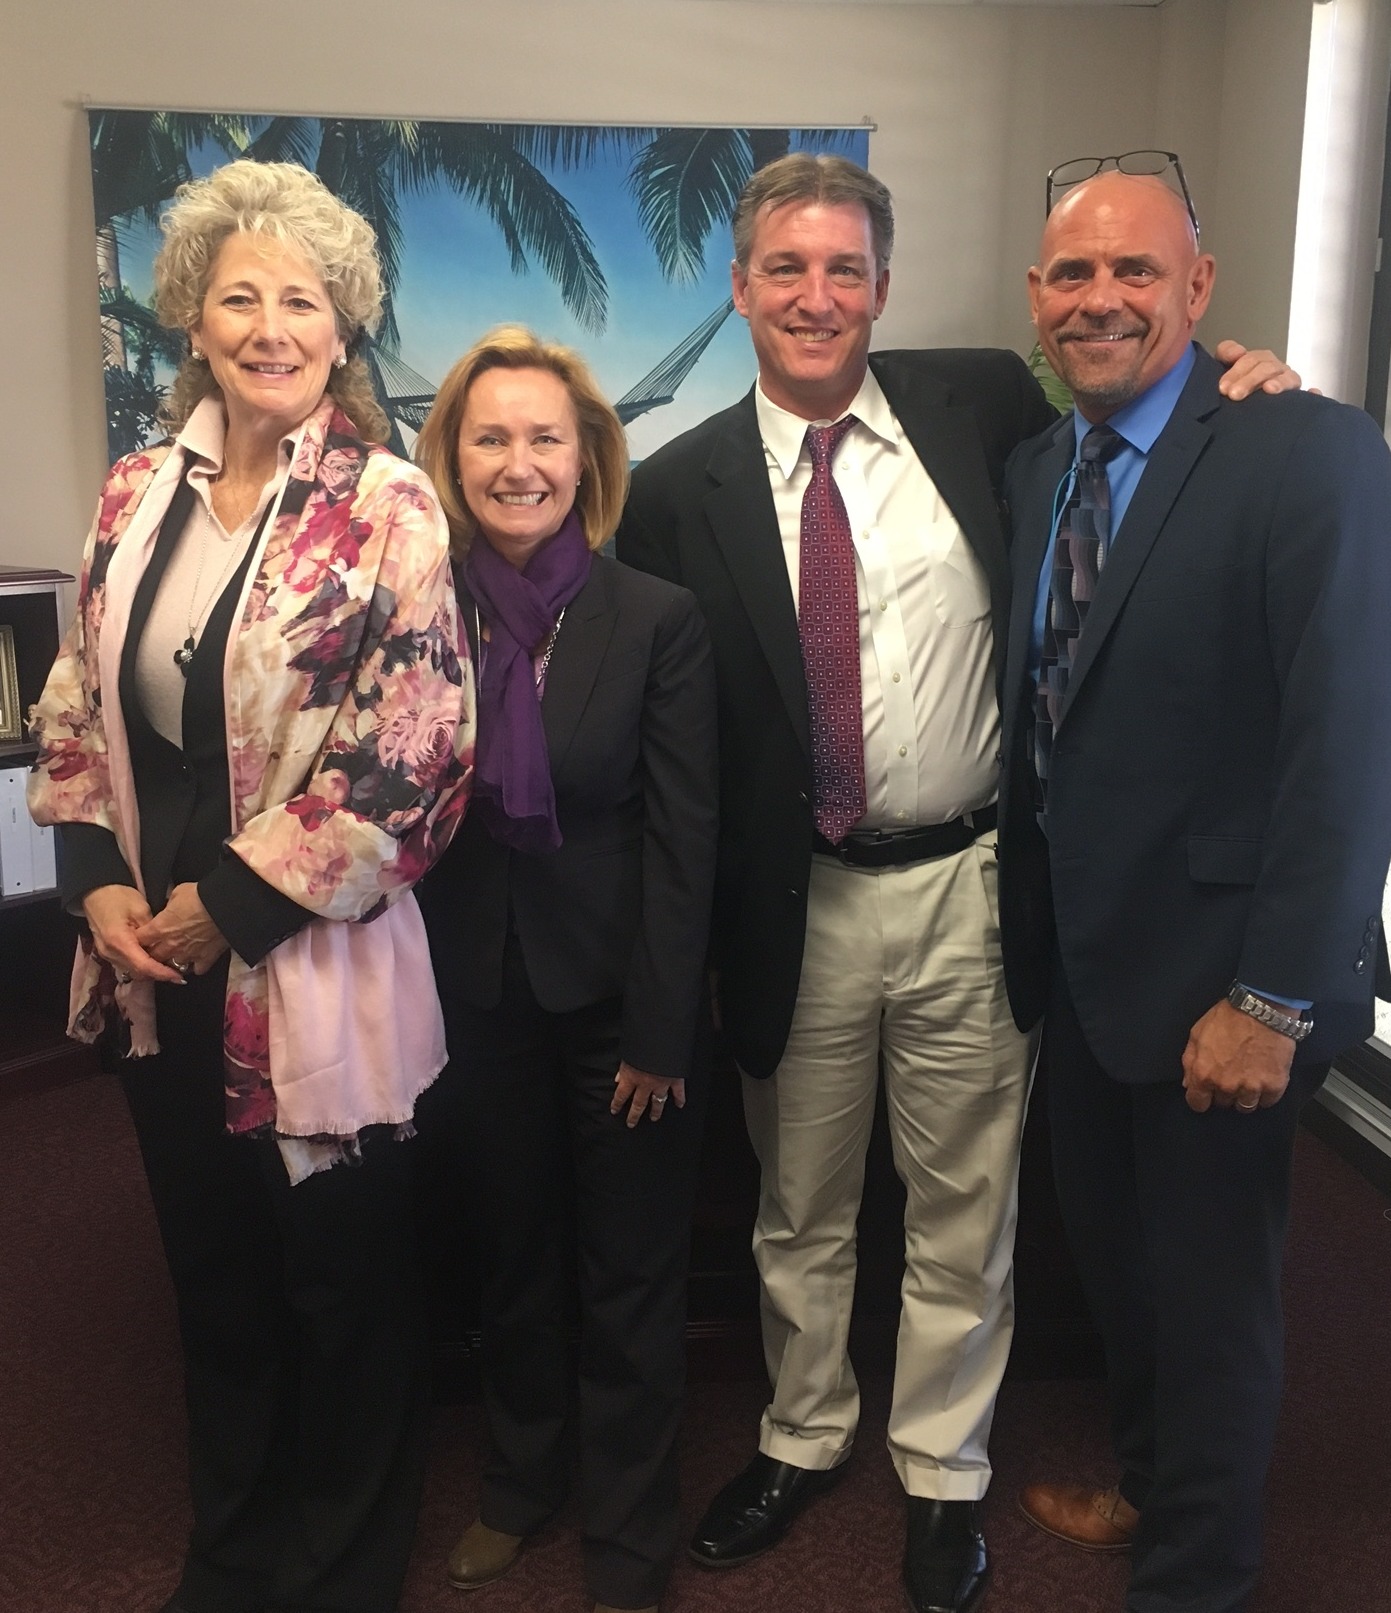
(11, 717)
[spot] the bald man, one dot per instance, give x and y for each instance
(1195, 829)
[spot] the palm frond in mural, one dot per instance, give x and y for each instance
(133, 395)
(686, 182)
(484, 163)
(371, 163)
(139, 159)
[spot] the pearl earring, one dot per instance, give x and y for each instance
(196, 354)
(340, 361)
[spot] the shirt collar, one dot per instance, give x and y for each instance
(1143, 418)
(205, 435)
(784, 433)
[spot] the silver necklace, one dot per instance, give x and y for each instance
(549, 649)
(197, 619)
(545, 654)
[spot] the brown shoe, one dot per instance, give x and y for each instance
(481, 1555)
(1095, 1520)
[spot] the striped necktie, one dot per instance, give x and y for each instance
(1084, 532)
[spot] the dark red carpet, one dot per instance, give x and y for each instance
(92, 1513)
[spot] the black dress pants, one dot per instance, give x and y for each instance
(1177, 1222)
(561, 1193)
(303, 1342)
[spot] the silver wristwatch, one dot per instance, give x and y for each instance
(1246, 1002)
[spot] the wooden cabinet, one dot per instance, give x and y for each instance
(36, 938)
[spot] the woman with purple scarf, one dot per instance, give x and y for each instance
(568, 926)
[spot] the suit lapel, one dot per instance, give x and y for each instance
(1033, 491)
(1171, 461)
(744, 521)
(946, 438)
(579, 649)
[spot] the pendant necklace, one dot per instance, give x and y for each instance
(549, 651)
(183, 656)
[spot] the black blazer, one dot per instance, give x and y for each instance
(701, 513)
(1220, 792)
(622, 909)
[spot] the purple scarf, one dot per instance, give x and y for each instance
(512, 790)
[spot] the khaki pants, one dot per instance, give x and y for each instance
(903, 962)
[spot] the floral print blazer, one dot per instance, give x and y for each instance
(350, 718)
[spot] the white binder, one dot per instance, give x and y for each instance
(16, 834)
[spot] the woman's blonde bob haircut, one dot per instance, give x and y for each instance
(284, 203)
(603, 446)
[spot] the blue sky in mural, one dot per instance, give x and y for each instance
(456, 282)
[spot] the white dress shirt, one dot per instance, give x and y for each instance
(927, 681)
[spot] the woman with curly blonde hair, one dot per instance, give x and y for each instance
(256, 737)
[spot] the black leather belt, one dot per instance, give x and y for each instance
(868, 848)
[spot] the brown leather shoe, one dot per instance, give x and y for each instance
(1095, 1520)
(481, 1555)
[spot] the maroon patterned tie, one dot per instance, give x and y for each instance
(829, 623)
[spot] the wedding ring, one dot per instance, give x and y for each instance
(1249, 1108)
(185, 969)
(123, 977)
(658, 1102)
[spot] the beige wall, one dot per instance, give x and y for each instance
(971, 103)
(1260, 140)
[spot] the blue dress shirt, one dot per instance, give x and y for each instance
(1138, 424)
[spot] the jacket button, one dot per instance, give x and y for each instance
(802, 797)
(1360, 967)
(793, 892)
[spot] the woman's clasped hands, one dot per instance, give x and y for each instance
(169, 946)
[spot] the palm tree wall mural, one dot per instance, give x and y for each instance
(614, 239)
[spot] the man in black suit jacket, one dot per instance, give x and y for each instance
(837, 949)
(1195, 828)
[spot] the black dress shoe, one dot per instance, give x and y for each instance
(756, 1509)
(944, 1565)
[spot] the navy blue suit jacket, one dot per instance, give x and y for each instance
(1220, 799)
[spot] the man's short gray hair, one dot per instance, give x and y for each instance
(805, 177)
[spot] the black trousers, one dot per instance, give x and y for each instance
(564, 1197)
(303, 1342)
(1177, 1222)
